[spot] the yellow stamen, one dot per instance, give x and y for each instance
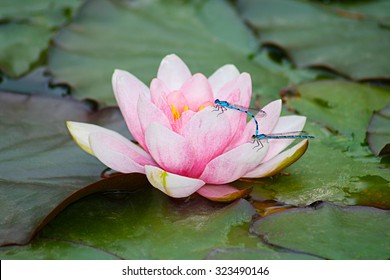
(175, 113)
(201, 108)
(185, 108)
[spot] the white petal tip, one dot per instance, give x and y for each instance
(80, 135)
(172, 184)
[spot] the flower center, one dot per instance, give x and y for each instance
(179, 104)
(177, 113)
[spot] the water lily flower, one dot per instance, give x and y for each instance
(183, 142)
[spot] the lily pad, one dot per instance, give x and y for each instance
(17, 53)
(51, 13)
(256, 254)
(317, 35)
(325, 173)
(34, 24)
(343, 107)
(149, 225)
(39, 163)
(136, 35)
(373, 10)
(329, 231)
(379, 132)
(36, 82)
(46, 249)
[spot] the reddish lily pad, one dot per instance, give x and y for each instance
(36, 82)
(379, 132)
(40, 165)
(329, 231)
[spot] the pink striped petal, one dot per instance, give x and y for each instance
(185, 117)
(173, 72)
(159, 93)
(127, 89)
(266, 123)
(279, 162)
(208, 135)
(232, 165)
(285, 124)
(81, 132)
(148, 113)
(238, 91)
(170, 150)
(223, 193)
(118, 153)
(222, 76)
(197, 91)
(172, 184)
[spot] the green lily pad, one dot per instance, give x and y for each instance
(326, 173)
(17, 53)
(256, 254)
(51, 13)
(34, 24)
(40, 165)
(343, 107)
(329, 231)
(46, 249)
(379, 132)
(317, 35)
(149, 225)
(136, 35)
(374, 10)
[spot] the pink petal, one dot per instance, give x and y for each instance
(222, 76)
(170, 150)
(81, 132)
(185, 117)
(223, 193)
(159, 93)
(238, 91)
(279, 162)
(266, 123)
(285, 124)
(232, 165)
(118, 153)
(148, 113)
(177, 99)
(127, 89)
(197, 91)
(208, 135)
(173, 72)
(172, 184)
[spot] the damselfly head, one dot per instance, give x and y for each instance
(217, 102)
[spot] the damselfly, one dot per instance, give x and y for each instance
(224, 105)
(287, 135)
